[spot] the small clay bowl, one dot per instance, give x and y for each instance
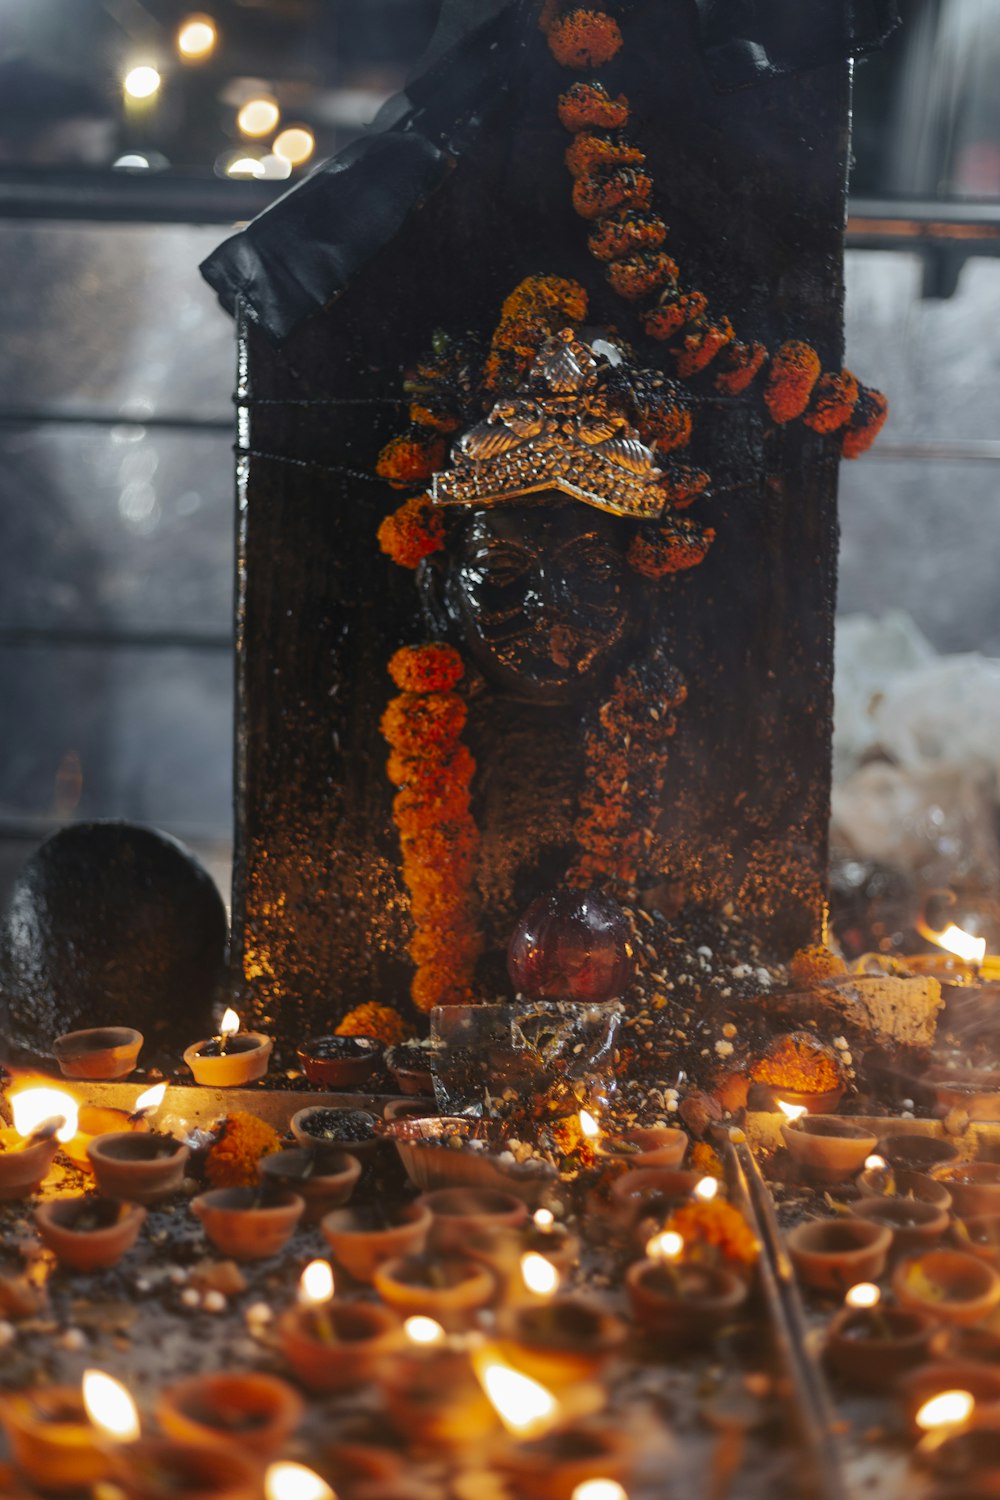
(363, 1336)
(553, 1467)
(827, 1147)
(324, 1179)
(980, 1236)
(560, 1341)
(684, 1304)
(410, 1066)
(251, 1411)
(979, 1344)
(52, 1440)
(920, 1153)
(432, 1397)
(360, 1241)
(830, 1255)
(100, 1052)
(162, 1469)
(963, 1289)
(914, 1225)
(246, 1057)
(414, 1107)
(142, 1167)
(649, 1191)
(446, 1289)
(240, 1225)
(964, 1460)
(62, 1224)
(918, 1385)
(974, 1187)
(884, 1182)
(875, 1351)
(341, 1062)
(95, 1120)
(649, 1146)
(23, 1168)
(815, 1104)
(458, 1213)
(352, 1130)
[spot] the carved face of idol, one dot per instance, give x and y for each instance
(543, 595)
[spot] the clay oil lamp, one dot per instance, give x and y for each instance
(527, 1262)
(256, 1412)
(964, 1459)
(917, 1153)
(459, 1213)
(447, 1289)
(831, 1255)
(879, 1179)
(44, 1120)
(677, 1301)
(324, 1179)
(352, 1130)
(99, 1052)
(290, 1481)
(430, 1391)
(51, 1438)
(162, 1469)
(410, 1108)
(583, 1461)
(232, 1058)
(951, 1285)
(362, 1238)
(141, 1167)
(410, 1065)
(915, 1225)
(559, 1340)
(340, 1062)
(332, 1345)
(974, 1187)
(798, 1073)
(95, 1120)
(980, 1235)
(921, 1387)
(646, 1146)
(872, 1345)
(649, 1193)
(247, 1224)
(88, 1233)
(827, 1148)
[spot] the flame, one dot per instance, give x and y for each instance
(230, 1023)
(316, 1284)
(34, 1106)
(669, 1245)
(954, 939)
(599, 1489)
(863, 1294)
(539, 1275)
(588, 1125)
(875, 1163)
(150, 1100)
(949, 1409)
(110, 1407)
(544, 1218)
(424, 1331)
(288, 1481)
(524, 1407)
(706, 1189)
(791, 1111)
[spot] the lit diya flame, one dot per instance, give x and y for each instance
(949, 1409)
(791, 1111)
(863, 1294)
(524, 1407)
(666, 1247)
(875, 1163)
(426, 1332)
(34, 1107)
(954, 939)
(316, 1284)
(589, 1127)
(149, 1102)
(543, 1218)
(706, 1189)
(229, 1026)
(110, 1407)
(599, 1489)
(288, 1481)
(538, 1274)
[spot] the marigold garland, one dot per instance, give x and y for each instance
(383, 1022)
(866, 422)
(620, 234)
(232, 1161)
(795, 369)
(411, 458)
(426, 669)
(833, 400)
(587, 106)
(584, 39)
(412, 532)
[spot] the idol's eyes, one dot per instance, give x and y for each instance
(501, 565)
(592, 561)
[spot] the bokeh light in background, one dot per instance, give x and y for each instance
(141, 82)
(197, 38)
(258, 117)
(295, 145)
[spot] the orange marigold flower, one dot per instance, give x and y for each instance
(440, 984)
(623, 232)
(431, 777)
(232, 1161)
(705, 1159)
(795, 369)
(444, 849)
(461, 939)
(833, 400)
(681, 484)
(426, 669)
(424, 723)
(656, 556)
(427, 416)
(584, 39)
(586, 105)
(426, 803)
(811, 965)
(667, 427)
(598, 153)
(555, 297)
(866, 422)
(737, 366)
(673, 311)
(381, 1021)
(624, 187)
(800, 1063)
(410, 459)
(701, 344)
(641, 272)
(714, 1229)
(412, 532)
